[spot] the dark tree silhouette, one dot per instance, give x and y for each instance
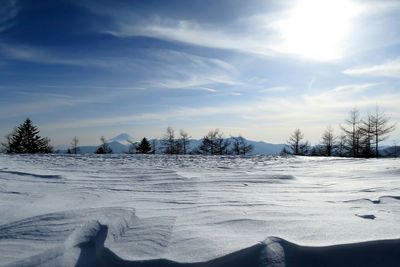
(328, 141)
(132, 147)
(184, 140)
(26, 139)
(240, 146)
(380, 128)
(169, 143)
(353, 132)
(214, 143)
(341, 146)
(366, 130)
(104, 148)
(284, 152)
(295, 142)
(143, 147)
(74, 149)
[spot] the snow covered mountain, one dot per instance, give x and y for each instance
(121, 138)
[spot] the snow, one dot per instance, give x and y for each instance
(196, 209)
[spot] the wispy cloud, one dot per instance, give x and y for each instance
(36, 55)
(8, 11)
(307, 109)
(354, 88)
(167, 69)
(34, 103)
(275, 89)
(387, 69)
(197, 34)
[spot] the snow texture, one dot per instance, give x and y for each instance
(133, 210)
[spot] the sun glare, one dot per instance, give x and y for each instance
(317, 29)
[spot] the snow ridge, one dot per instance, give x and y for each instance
(85, 246)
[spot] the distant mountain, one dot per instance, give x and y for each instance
(390, 151)
(120, 145)
(116, 147)
(263, 148)
(121, 138)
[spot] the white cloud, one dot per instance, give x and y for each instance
(317, 31)
(354, 88)
(387, 69)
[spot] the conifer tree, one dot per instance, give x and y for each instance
(144, 146)
(26, 139)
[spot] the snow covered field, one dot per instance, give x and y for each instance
(191, 208)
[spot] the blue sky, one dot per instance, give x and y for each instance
(257, 68)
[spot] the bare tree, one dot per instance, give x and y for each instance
(74, 145)
(366, 131)
(240, 146)
(341, 146)
(328, 141)
(221, 144)
(184, 140)
(294, 142)
(381, 128)
(104, 148)
(153, 146)
(352, 132)
(169, 143)
(214, 143)
(7, 145)
(132, 147)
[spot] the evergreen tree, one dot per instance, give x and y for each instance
(26, 139)
(144, 147)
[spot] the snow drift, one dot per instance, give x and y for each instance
(133, 210)
(85, 248)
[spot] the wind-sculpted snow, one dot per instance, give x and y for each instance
(85, 248)
(193, 209)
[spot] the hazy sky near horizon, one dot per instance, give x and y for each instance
(258, 68)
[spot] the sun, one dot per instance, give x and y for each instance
(317, 29)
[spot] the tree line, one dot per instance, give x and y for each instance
(213, 143)
(360, 137)
(26, 139)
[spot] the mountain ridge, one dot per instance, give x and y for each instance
(120, 145)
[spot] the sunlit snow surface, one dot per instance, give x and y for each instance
(193, 208)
